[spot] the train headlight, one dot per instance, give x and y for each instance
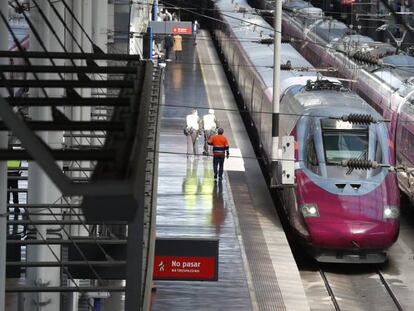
(309, 210)
(391, 212)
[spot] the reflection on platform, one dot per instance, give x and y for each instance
(191, 204)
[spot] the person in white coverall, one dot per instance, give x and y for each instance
(192, 131)
(210, 126)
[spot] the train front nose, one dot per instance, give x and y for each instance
(353, 234)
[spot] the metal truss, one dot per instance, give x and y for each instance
(118, 190)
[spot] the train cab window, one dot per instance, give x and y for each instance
(344, 141)
(345, 144)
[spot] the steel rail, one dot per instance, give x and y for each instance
(389, 290)
(329, 289)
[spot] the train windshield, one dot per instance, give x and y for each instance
(344, 141)
(345, 144)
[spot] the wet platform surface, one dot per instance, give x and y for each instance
(256, 268)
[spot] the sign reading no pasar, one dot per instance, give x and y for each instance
(186, 260)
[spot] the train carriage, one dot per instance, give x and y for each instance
(342, 215)
(383, 76)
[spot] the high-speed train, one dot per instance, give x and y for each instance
(382, 77)
(342, 215)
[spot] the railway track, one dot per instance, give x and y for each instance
(389, 290)
(359, 291)
(363, 287)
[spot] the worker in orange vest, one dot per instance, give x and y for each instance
(220, 150)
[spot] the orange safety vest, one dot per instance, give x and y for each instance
(220, 144)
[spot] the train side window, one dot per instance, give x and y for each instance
(405, 136)
(311, 157)
(408, 145)
(409, 108)
(378, 152)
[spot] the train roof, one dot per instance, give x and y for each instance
(341, 37)
(331, 29)
(296, 5)
(260, 55)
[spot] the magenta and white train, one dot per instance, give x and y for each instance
(342, 215)
(382, 77)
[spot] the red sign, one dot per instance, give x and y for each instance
(185, 268)
(182, 30)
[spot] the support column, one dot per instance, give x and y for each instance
(100, 23)
(100, 38)
(3, 176)
(41, 189)
(276, 91)
(83, 13)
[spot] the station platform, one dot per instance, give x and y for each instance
(256, 268)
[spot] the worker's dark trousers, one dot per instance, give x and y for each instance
(218, 162)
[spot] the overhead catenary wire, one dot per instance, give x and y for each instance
(292, 38)
(255, 10)
(260, 26)
(206, 16)
(264, 66)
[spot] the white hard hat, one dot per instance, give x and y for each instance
(211, 111)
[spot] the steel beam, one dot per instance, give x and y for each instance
(43, 206)
(133, 295)
(63, 55)
(65, 155)
(112, 263)
(70, 126)
(113, 84)
(86, 136)
(57, 102)
(63, 289)
(67, 242)
(3, 170)
(64, 222)
(69, 69)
